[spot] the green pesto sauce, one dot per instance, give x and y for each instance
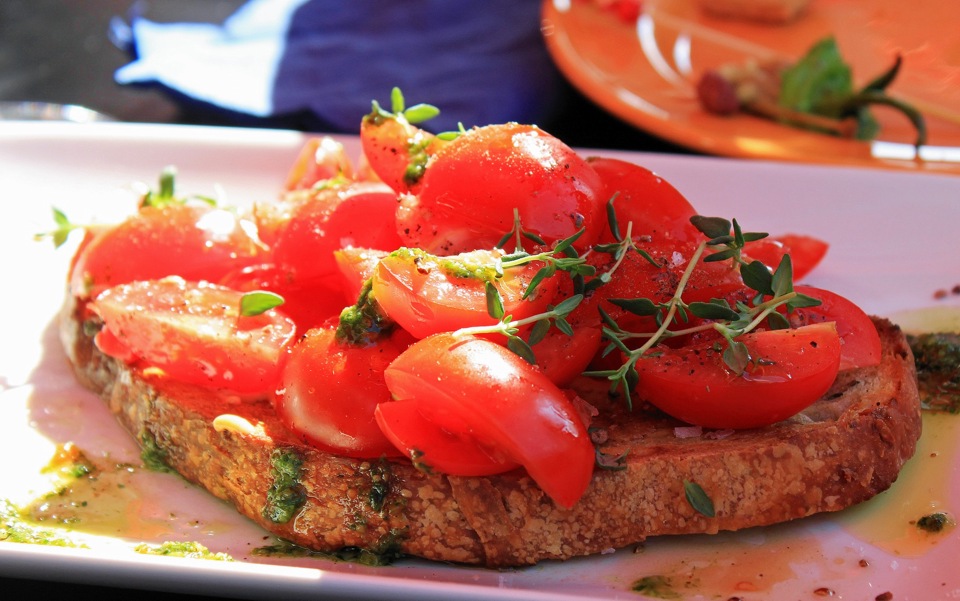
(15, 528)
(384, 552)
(363, 322)
(286, 494)
(191, 550)
(154, 457)
(659, 587)
(457, 267)
(937, 356)
(419, 158)
(934, 522)
(380, 478)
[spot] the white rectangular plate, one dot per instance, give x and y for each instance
(894, 244)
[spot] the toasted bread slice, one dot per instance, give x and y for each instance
(846, 448)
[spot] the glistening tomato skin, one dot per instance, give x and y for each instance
(806, 252)
(471, 187)
(432, 448)
(309, 303)
(791, 370)
(396, 150)
(478, 389)
(360, 214)
(195, 334)
(859, 340)
(427, 295)
(649, 202)
(189, 241)
(321, 158)
(330, 389)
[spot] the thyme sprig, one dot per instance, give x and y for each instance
(506, 325)
(562, 257)
(619, 249)
(165, 193)
(60, 233)
(773, 290)
(417, 113)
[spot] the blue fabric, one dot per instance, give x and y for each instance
(320, 63)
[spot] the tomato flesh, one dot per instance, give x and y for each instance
(330, 389)
(427, 294)
(649, 202)
(358, 215)
(790, 370)
(480, 390)
(859, 340)
(472, 186)
(195, 334)
(320, 159)
(193, 242)
(434, 449)
(806, 252)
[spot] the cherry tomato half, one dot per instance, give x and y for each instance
(472, 186)
(805, 252)
(479, 390)
(651, 203)
(194, 333)
(789, 370)
(434, 449)
(190, 241)
(425, 294)
(396, 151)
(321, 159)
(859, 340)
(330, 389)
(359, 214)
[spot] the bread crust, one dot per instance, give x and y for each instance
(846, 448)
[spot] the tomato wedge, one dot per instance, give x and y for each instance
(790, 369)
(478, 389)
(330, 389)
(194, 333)
(859, 340)
(805, 252)
(320, 159)
(473, 185)
(359, 214)
(426, 295)
(191, 241)
(432, 448)
(643, 198)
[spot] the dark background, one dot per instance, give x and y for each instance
(60, 51)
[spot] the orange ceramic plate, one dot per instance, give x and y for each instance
(645, 73)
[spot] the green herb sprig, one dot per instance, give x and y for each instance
(729, 321)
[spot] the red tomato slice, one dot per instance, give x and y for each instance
(330, 389)
(478, 389)
(790, 370)
(396, 150)
(647, 200)
(562, 358)
(309, 303)
(426, 295)
(473, 185)
(805, 252)
(357, 265)
(193, 242)
(859, 340)
(360, 214)
(432, 448)
(322, 158)
(194, 333)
